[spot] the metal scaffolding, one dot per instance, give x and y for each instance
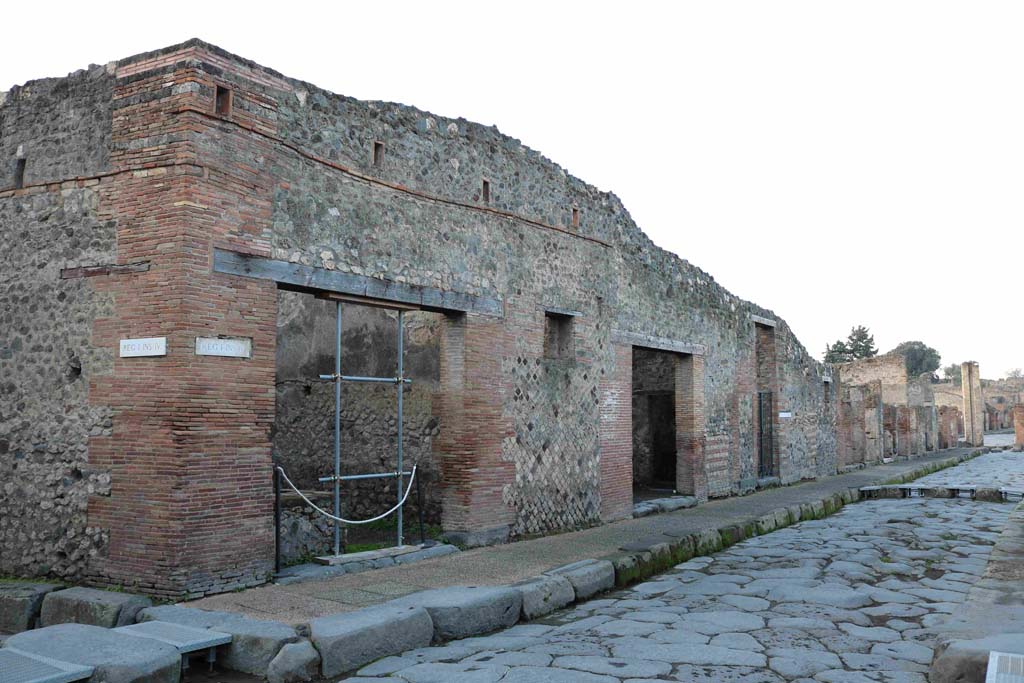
(400, 380)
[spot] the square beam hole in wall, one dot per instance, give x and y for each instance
(378, 153)
(558, 336)
(223, 101)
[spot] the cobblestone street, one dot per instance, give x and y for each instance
(845, 599)
(996, 470)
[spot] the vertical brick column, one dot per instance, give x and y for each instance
(1018, 427)
(473, 427)
(616, 436)
(974, 404)
(691, 436)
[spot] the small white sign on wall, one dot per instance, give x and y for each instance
(217, 346)
(146, 346)
(785, 414)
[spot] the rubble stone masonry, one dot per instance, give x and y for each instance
(172, 218)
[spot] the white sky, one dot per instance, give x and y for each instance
(841, 163)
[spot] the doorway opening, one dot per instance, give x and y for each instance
(344, 431)
(655, 449)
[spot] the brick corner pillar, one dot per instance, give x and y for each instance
(1018, 427)
(691, 431)
(616, 436)
(974, 404)
(473, 427)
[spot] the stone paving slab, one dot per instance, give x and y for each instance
(513, 562)
(116, 657)
(25, 667)
(848, 598)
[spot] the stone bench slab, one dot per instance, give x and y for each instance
(116, 657)
(25, 667)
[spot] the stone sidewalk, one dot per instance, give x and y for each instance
(506, 564)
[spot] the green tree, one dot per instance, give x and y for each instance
(837, 353)
(952, 373)
(859, 344)
(919, 358)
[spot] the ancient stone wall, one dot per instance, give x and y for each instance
(530, 437)
(890, 368)
(59, 127)
(47, 363)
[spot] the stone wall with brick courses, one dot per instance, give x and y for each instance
(431, 227)
(61, 127)
(189, 456)
(288, 174)
(46, 366)
(890, 368)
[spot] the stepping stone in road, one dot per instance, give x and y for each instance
(23, 667)
(186, 639)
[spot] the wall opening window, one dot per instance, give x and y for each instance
(558, 337)
(223, 101)
(485, 192)
(19, 174)
(378, 153)
(575, 217)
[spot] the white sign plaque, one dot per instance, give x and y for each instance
(216, 346)
(785, 414)
(147, 346)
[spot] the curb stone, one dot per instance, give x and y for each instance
(20, 604)
(350, 640)
(588, 577)
(463, 611)
(543, 595)
(91, 606)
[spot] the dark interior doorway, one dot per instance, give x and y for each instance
(654, 423)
